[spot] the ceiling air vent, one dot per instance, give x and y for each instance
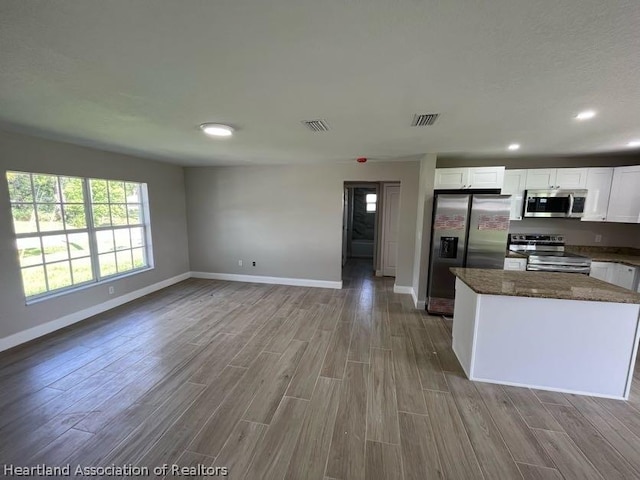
(316, 125)
(424, 120)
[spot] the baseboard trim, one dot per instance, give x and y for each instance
(46, 328)
(402, 289)
(419, 304)
(296, 282)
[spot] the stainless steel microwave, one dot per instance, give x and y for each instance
(549, 203)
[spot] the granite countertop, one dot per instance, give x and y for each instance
(624, 255)
(564, 286)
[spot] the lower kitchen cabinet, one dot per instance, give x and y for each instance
(515, 264)
(624, 276)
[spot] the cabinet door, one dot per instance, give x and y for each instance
(624, 201)
(624, 276)
(514, 182)
(541, 178)
(602, 271)
(451, 178)
(571, 177)
(486, 177)
(598, 187)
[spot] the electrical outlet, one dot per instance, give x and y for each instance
(110, 290)
(254, 264)
(239, 263)
(598, 238)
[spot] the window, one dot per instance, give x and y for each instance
(371, 199)
(72, 231)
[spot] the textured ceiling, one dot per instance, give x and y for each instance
(140, 76)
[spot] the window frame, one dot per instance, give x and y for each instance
(144, 223)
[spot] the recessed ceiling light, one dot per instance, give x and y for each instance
(634, 143)
(586, 115)
(514, 146)
(217, 129)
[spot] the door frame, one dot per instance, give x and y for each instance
(385, 186)
(376, 231)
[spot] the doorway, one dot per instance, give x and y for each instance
(369, 229)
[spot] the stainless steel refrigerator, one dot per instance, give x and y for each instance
(468, 230)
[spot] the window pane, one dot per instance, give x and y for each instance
(29, 251)
(371, 198)
(72, 191)
(371, 207)
(107, 264)
(19, 187)
(79, 245)
(74, 216)
(134, 214)
(34, 281)
(119, 214)
(59, 275)
(124, 261)
(49, 217)
(24, 219)
(122, 239)
(104, 239)
(132, 191)
(116, 192)
(46, 188)
(81, 270)
(137, 237)
(99, 192)
(101, 216)
(139, 258)
(55, 248)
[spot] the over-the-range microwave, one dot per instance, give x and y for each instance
(550, 203)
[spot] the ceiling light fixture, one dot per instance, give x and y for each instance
(217, 129)
(514, 146)
(634, 143)
(586, 115)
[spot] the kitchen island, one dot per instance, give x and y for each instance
(552, 331)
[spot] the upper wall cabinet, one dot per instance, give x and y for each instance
(541, 178)
(599, 188)
(514, 185)
(473, 177)
(624, 201)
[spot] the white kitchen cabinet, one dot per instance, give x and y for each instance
(599, 188)
(468, 177)
(514, 185)
(624, 276)
(624, 201)
(515, 264)
(556, 178)
(571, 177)
(541, 178)
(602, 271)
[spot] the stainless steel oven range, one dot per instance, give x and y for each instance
(546, 253)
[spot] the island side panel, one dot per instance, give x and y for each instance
(464, 325)
(563, 345)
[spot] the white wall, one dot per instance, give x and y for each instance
(168, 225)
(287, 218)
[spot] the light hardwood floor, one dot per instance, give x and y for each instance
(278, 382)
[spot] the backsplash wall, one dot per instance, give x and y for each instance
(582, 233)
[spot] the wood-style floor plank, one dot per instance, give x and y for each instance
(382, 409)
(237, 453)
(534, 472)
(346, 455)
(337, 351)
(304, 380)
(274, 453)
(384, 461)
(407, 380)
(571, 462)
(532, 410)
(419, 451)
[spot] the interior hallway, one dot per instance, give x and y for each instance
(281, 382)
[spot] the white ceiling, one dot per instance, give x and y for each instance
(140, 76)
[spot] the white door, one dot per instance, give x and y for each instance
(598, 191)
(451, 178)
(345, 224)
(486, 177)
(391, 209)
(514, 181)
(572, 177)
(541, 178)
(624, 203)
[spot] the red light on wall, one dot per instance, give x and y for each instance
(361, 159)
